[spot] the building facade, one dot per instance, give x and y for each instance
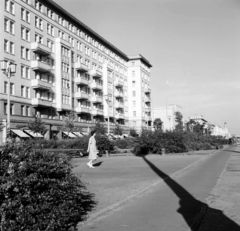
(63, 65)
(167, 116)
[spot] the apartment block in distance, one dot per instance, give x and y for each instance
(63, 66)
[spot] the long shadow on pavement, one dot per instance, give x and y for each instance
(194, 210)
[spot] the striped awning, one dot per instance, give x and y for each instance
(31, 133)
(71, 135)
(79, 134)
(20, 133)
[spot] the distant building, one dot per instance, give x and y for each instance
(219, 131)
(167, 115)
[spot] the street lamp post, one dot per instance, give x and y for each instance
(8, 69)
(107, 98)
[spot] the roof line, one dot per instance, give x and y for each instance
(86, 27)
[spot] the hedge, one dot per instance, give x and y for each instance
(175, 142)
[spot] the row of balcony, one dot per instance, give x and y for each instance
(97, 111)
(95, 99)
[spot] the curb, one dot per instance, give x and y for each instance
(104, 212)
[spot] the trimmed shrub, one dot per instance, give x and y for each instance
(39, 192)
(174, 142)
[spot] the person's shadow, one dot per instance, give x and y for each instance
(193, 210)
(97, 164)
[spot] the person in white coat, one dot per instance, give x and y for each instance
(92, 149)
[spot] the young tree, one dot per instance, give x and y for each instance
(179, 121)
(36, 125)
(157, 124)
(118, 130)
(100, 128)
(69, 119)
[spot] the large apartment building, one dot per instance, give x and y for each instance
(63, 65)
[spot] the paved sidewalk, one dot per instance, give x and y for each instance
(116, 180)
(223, 213)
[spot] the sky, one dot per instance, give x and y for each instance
(193, 46)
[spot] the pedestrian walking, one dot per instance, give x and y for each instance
(92, 149)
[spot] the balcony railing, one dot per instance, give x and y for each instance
(147, 90)
(119, 105)
(81, 81)
(96, 85)
(40, 66)
(118, 94)
(147, 99)
(96, 99)
(119, 116)
(96, 73)
(40, 102)
(81, 95)
(81, 67)
(40, 49)
(118, 83)
(39, 84)
(82, 109)
(97, 111)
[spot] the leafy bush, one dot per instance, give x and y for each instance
(39, 192)
(103, 144)
(125, 143)
(133, 132)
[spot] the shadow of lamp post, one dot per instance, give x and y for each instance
(8, 69)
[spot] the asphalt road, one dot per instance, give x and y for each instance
(171, 205)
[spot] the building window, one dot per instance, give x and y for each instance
(12, 88)
(27, 92)
(50, 29)
(133, 64)
(134, 103)
(9, 26)
(50, 44)
(134, 113)
(133, 73)
(25, 34)
(22, 91)
(38, 23)
(27, 72)
(10, 6)
(38, 6)
(38, 38)
(11, 109)
(5, 87)
(134, 93)
(9, 47)
(133, 83)
(50, 14)
(22, 110)
(134, 123)
(25, 15)
(27, 111)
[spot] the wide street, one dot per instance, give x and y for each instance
(170, 205)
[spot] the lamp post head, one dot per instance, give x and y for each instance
(13, 68)
(3, 64)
